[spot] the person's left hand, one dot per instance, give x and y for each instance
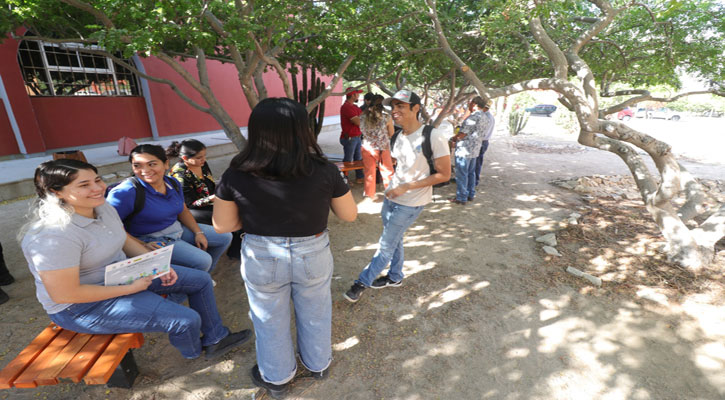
(396, 191)
(170, 278)
(201, 241)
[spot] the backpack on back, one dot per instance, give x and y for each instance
(140, 200)
(427, 148)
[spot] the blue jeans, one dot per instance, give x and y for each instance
(465, 178)
(275, 270)
(396, 220)
(352, 151)
(147, 311)
(479, 161)
(188, 255)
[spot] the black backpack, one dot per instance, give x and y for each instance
(140, 199)
(427, 148)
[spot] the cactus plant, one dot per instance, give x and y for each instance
(305, 95)
(517, 121)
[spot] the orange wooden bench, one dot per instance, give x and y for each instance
(58, 355)
(345, 166)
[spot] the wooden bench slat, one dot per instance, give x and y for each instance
(84, 359)
(49, 376)
(27, 378)
(349, 165)
(111, 357)
(27, 356)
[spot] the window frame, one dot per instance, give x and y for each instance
(134, 88)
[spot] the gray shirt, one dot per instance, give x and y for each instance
(87, 243)
(474, 128)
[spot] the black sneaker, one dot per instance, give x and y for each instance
(353, 295)
(321, 375)
(225, 345)
(385, 281)
(275, 391)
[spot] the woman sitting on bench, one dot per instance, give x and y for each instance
(164, 218)
(75, 234)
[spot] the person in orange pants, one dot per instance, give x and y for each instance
(377, 128)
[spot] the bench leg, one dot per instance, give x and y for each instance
(125, 374)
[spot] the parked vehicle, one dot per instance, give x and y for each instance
(626, 114)
(712, 113)
(641, 113)
(664, 113)
(542, 109)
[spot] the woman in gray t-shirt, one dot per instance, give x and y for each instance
(75, 234)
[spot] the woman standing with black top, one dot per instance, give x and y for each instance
(280, 189)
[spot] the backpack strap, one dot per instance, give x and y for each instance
(394, 137)
(138, 201)
(428, 148)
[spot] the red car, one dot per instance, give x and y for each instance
(626, 114)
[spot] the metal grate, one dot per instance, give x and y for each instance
(51, 69)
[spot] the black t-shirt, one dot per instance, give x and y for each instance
(288, 208)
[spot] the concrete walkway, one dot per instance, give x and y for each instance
(16, 181)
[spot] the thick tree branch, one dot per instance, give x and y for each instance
(557, 57)
(335, 79)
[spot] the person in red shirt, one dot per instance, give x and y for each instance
(351, 136)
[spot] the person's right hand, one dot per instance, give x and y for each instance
(140, 284)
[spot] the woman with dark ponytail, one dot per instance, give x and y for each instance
(164, 218)
(194, 174)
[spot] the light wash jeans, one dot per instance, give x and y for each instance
(352, 151)
(185, 251)
(396, 220)
(275, 270)
(147, 311)
(465, 178)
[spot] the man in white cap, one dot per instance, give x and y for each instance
(410, 189)
(468, 146)
(490, 121)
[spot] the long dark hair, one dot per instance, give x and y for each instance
(54, 175)
(153, 149)
(374, 114)
(281, 144)
(49, 210)
(185, 148)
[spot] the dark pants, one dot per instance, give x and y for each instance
(479, 161)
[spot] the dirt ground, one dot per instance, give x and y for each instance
(483, 312)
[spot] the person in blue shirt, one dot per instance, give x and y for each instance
(164, 218)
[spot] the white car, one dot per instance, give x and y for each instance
(664, 113)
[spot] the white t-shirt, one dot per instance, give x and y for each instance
(413, 166)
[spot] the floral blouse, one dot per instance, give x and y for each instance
(197, 191)
(375, 137)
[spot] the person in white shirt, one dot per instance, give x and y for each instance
(410, 189)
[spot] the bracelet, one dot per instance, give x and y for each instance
(199, 233)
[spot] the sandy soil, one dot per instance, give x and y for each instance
(483, 313)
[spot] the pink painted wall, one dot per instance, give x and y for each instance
(174, 116)
(48, 123)
(19, 102)
(81, 120)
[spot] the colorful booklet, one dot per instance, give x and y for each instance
(154, 264)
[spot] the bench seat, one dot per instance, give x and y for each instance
(58, 355)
